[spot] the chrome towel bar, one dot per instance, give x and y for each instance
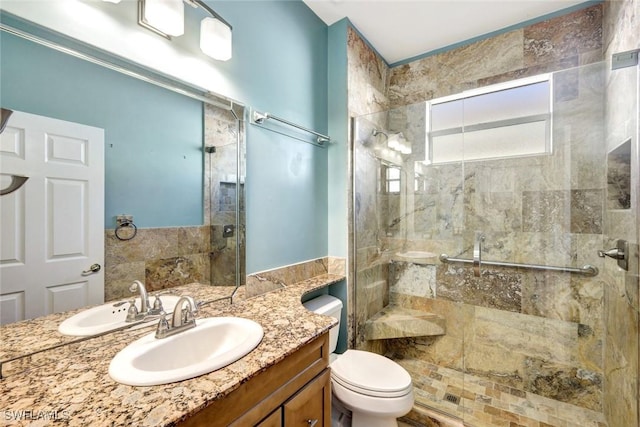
(586, 270)
(260, 118)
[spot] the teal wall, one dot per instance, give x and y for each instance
(338, 179)
(153, 137)
(279, 65)
(155, 171)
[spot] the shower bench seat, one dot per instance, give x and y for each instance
(398, 322)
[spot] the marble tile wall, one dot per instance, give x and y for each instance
(173, 256)
(545, 210)
(621, 350)
(278, 278)
(159, 257)
(559, 43)
(367, 94)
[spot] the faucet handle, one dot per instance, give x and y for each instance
(157, 303)
(191, 315)
(132, 312)
(190, 312)
(196, 307)
(163, 325)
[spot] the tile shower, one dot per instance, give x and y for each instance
(519, 346)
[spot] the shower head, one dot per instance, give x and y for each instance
(377, 132)
(210, 149)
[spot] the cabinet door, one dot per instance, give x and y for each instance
(273, 420)
(311, 406)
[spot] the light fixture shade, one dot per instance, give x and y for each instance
(166, 16)
(215, 39)
(112, 1)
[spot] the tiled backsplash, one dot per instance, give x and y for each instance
(270, 280)
(159, 257)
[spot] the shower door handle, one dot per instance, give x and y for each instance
(619, 253)
(611, 253)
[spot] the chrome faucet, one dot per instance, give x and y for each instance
(182, 319)
(133, 313)
(144, 297)
(146, 309)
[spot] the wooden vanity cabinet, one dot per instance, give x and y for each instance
(295, 392)
(311, 406)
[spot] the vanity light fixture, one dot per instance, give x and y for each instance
(215, 33)
(215, 38)
(166, 18)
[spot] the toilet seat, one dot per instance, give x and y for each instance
(371, 374)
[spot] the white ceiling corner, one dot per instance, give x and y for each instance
(403, 29)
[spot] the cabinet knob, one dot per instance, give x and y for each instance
(312, 423)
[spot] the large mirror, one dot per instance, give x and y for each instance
(172, 209)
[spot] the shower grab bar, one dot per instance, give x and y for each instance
(260, 118)
(586, 270)
(477, 254)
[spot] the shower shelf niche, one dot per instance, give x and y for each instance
(398, 322)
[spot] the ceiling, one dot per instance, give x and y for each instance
(403, 29)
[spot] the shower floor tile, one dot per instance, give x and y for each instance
(482, 403)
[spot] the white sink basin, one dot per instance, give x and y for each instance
(213, 343)
(106, 317)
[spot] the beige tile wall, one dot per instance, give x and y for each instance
(569, 309)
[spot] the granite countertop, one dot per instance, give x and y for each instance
(70, 385)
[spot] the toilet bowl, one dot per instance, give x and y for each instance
(375, 389)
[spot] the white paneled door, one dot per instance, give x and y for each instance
(51, 228)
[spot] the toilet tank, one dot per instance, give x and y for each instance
(328, 306)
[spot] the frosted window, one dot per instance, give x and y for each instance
(392, 178)
(393, 173)
(495, 122)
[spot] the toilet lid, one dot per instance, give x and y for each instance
(371, 374)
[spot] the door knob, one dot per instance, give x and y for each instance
(93, 269)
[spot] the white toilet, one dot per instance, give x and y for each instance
(375, 389)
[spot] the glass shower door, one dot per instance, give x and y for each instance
(621, 223)
(541, 345)
(405, 215)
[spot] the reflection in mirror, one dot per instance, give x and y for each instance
(173, 162)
